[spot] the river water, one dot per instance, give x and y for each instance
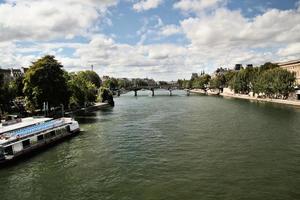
(168, 148)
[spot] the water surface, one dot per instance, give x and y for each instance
(168, 148)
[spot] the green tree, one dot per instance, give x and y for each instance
(243, 80)
(275, 83)
(217, 82)
(201, 82)
(111, 83)
(268, 65)
(105, 95)
(82, 91)
(45, 82)
(90, 76)
(18, 86)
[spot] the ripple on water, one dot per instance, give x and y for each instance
(163, 147)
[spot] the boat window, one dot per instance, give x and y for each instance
(26, 143)
(47, 135)
(8, 150)
(40, 137)
(52, 133)
(1, 152)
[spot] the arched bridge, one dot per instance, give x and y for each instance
(170, 88)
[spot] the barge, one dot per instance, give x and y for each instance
(28, 134)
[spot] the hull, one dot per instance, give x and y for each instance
(64, 133)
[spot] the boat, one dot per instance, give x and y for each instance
(24, 135)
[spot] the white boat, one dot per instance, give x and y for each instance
(30, 133)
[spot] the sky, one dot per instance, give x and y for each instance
(160, 39)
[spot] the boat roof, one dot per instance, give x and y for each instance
(43, 125)
(28, 121)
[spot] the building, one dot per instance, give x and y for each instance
(238, 67)
(292, 66)
(11, 73)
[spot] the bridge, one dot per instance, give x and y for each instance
(152, 88)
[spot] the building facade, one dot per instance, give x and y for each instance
(11, 74)
(292, 66)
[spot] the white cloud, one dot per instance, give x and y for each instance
(290, 50)
(146, 5)
(49, 19)
(219, 38)
(198, 6)
(169, 30)
(225, 28)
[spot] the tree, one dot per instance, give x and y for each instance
(201, 82)
(105, 95)
(228, 77)
(217, 82)
(275, 83)
(91, 76)
(18, 86)
(242, 81)
(268, 65)
(124, 83)
(111, 83)
(7, 94)
(82, 90)
(45, 82)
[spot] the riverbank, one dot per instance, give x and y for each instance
(243, 96)
(95, 107)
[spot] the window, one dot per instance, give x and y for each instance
(48, 135)
(8, 150)
(52, 133)
(40, 138)
(26, 143)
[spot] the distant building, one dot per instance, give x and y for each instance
(194, 76)
(104, 78)
(249, 66)
(11, 74)
(238, 67)
(292, 66)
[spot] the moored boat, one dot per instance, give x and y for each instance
(33, 133)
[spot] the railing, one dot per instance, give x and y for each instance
(36, 128)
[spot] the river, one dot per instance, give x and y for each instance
(168, 148)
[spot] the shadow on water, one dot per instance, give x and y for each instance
(93, 117)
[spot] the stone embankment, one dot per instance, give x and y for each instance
(96, 106)
(248, 97)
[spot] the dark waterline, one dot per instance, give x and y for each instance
(162, 147)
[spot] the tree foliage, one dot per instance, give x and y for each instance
(201, 82)
(275, 83)
(45, 82)
(82, 90)
(7, 94)
(90, 76)
(105, 95)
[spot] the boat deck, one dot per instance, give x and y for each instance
(30, 130)
(29, 121)
(36, 128)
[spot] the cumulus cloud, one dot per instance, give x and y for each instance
(222, 37)
(198, 6)
(169, 30)
(290, 50)
(146, 5)
(232, 29)
(49, 19)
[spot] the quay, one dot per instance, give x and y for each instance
(248, 97)
(92, 108)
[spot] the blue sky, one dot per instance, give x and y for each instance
(161, 39)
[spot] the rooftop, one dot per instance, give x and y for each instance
(291, 62)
